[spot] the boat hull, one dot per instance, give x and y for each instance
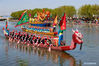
(58, 48)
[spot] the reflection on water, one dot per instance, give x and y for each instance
(57, 57)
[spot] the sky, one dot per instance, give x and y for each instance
(9, 6)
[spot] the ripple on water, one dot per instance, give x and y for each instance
(12, 55)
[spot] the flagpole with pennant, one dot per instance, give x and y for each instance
(54, 24)
(23, 19)
(62, 27)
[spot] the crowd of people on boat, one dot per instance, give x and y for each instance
(31, 39)
(26, 38)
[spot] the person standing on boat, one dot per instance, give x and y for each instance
(6, 24)
(60, 33)
(7, 30)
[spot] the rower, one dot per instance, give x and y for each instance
(18, 35)
(35, 39)
(42, 41)
(49, 41)
(39, 40)
(30, 39)
(24, 37)
(15, 36)
(12, 36)
(27, 37)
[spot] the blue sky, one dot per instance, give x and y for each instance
(8, 6)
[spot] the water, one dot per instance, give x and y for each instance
(12, 54)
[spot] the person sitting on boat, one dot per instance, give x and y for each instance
(21, 37)
(42, 40)
(30, 39)
(27, 36)
(62, 43)
(35, 39)
(41, 43)
(18, 35)
(46, 42)
(10, 35)
(14, 37)
(24, 37)
(49, 41)
(31, 42)
(13, 34)
(38, 40)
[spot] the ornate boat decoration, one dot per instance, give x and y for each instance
(42, 33)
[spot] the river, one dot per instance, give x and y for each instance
(13, 54)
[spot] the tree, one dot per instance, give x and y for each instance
(69, 10)
(88, 11)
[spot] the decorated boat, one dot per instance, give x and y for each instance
(38, 32)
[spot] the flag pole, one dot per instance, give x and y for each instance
(65, 29)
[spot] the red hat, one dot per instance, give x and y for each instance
(39, 37)
(16, 33)
(3, 28)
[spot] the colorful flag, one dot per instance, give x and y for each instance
(62, 23)
(48, 14)
(23, 19)
(55, 21)
(6, 24)
(35, 15)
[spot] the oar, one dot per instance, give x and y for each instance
(80, 46)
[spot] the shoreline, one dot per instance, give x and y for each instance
(11, 20)
(90, 24)
(70, 23)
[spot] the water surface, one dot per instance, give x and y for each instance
(13, 54)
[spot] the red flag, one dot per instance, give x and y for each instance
(43, 10)
(6, 24)
(63, 23)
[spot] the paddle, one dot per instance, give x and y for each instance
(80, 46)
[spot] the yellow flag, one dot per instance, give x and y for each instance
(55, 21)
